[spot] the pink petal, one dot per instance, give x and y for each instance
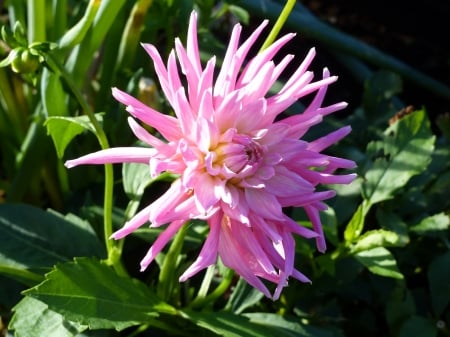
(114, 155)
(208, 253)
(160, 243)
(166, 125)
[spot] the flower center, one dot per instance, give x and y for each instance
(242, 156)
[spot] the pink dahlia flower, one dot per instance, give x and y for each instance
(237, 164)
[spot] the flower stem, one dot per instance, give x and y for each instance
(200, 302)
(278, 24)
(167, 274)
(113, 258)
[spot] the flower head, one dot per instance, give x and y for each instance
(238, 162)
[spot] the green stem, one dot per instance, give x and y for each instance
(278, 24)
(204, 287)
(24, 276)
(167, 275)
(113, 258)
(36, 20)
(216, 293)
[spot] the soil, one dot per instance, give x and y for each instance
(414, 32)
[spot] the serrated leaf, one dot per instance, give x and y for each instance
(231, 325)
(33, 238)
(243, 297)
(64, 129)
(375, 238)
(439, 282)
(90, 293)
(379, 261)
(434, 223)
(404, 152)
(33, 318)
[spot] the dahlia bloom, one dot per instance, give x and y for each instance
(237, 164)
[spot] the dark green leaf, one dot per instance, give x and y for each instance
(64, 129)
(379, 261)
(287, 327)
(404, 151)
(243, 297)
(394, 223)
(231, 325)
(439, 281)
(33, 238)
(418, 326)
(32, 318)
(378, 93)
(90, 293)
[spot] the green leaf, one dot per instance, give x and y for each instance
(76, 34)
(404, 151)
(356, 223)
(33, 238)
(439, 281)
(136, 177)
(287, 327)
(375, 238)
(418, 326)
(33, 318)
(243, 297)
(231, 325)
(378, 93)
(241, 14)
(392, 222)
(52, 94)
(90, 293)
(434, 223)
(64, 129)
(379, 261)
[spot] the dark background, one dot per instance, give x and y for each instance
(416, 32)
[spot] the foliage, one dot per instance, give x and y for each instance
(386, 269)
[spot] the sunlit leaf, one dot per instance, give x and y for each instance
(32, 318)
(375, 238)
(90, 293)
(379, 261)
(52, 94)
(64, 129)
(404, 151)
(434, 223)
